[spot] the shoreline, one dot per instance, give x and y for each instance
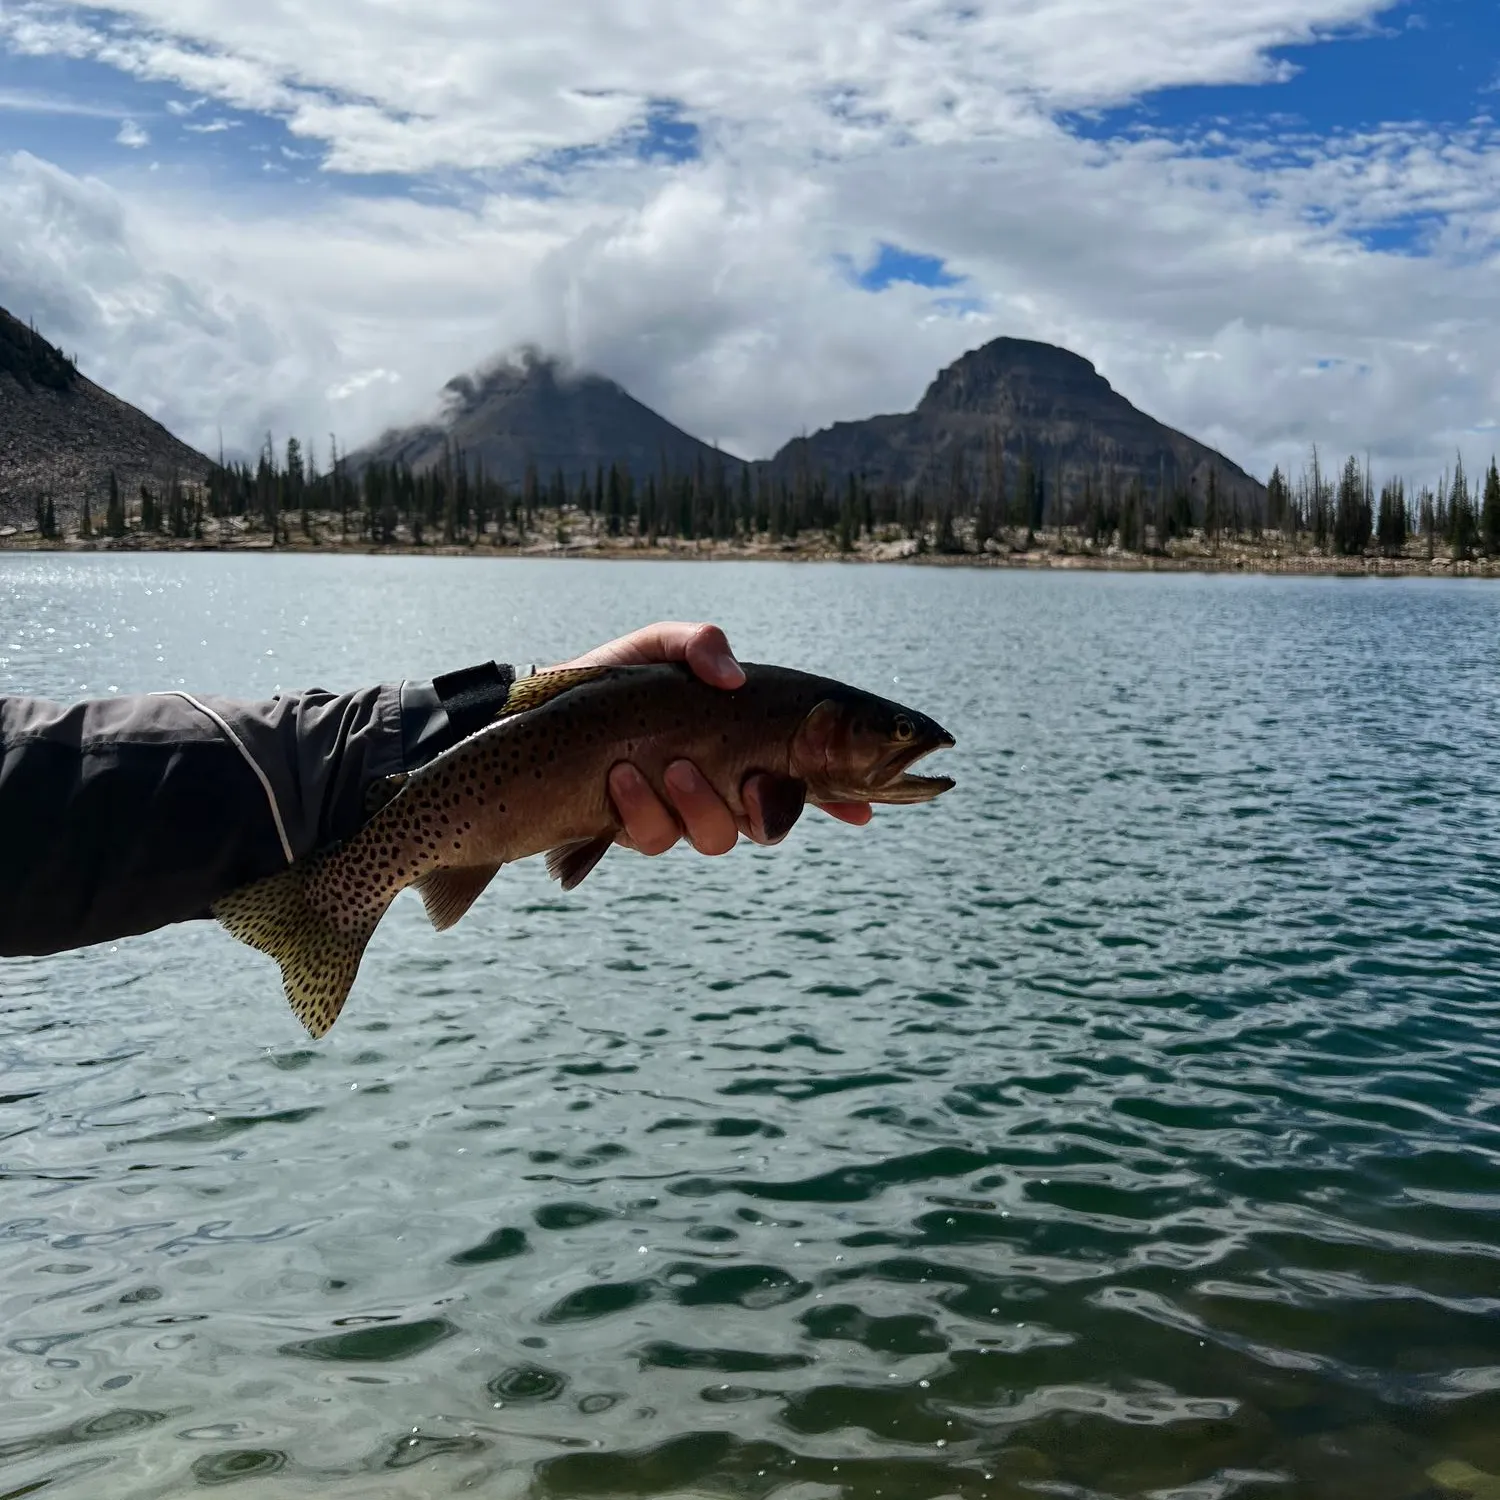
(1234, 557)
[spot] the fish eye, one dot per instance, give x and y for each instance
(904, 727)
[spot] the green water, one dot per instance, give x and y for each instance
(1126, 1123)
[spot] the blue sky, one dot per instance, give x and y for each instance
(1429, 61)
(1270, 223)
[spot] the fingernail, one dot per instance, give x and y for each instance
(632, 779)
(682, 776)
(727, 668)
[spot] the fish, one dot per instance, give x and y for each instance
(534, 781)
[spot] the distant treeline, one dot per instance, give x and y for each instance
(455, 502)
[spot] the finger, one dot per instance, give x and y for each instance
(647, 822)
(772, 805)
(858, 813)
(708, 654)
(664, 641)
(705, 818)
(704, 647)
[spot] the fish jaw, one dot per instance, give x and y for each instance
(911, 789)
(897, 786)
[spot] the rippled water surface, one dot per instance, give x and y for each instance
(1126, 1123)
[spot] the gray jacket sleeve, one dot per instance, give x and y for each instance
(119, 815)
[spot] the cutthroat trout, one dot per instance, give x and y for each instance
(535, 781)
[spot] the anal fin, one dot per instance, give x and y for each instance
(571, 863)
(448, 894)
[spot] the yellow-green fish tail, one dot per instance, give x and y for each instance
(318, 960)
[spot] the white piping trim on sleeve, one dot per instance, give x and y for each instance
(239, 744)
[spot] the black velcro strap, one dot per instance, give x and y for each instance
(472, 696)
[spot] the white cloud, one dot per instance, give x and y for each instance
(38, 102)
(132, 135)
(1225, 292)
(191, 353)
(359, 381)
(422, 84)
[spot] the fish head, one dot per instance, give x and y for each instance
(855, 747)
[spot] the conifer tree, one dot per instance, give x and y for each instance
(1025, 482)
(529, 492)
(1461, 527)
(1392, 527)
(614, 509)
(1489, 515)
(984, 518)
(848, 512)
(114, 511)
(1093, 511)
(1131, 512)
(1351, 517)
(1278, 501)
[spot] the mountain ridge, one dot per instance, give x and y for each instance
(61, 435)
(1031, 399)
(1034, 403)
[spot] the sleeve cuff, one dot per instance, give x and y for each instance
(438, 714)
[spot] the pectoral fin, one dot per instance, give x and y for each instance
(448, 894)
(782, 799)
(570, 863)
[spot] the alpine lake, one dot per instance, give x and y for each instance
(1124, 1123)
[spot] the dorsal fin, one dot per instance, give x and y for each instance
(542, 687)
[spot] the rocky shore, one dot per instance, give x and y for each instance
(575, 536)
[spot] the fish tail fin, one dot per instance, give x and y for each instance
(318, 959)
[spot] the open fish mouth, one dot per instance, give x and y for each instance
(897, 784)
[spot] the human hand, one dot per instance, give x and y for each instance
(772, 803)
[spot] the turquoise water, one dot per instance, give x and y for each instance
(1125, 1123)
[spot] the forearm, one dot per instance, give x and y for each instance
(121, 815)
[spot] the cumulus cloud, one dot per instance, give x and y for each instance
(420, 84)
(1225, 286)
(132, 135)
(188, 349)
